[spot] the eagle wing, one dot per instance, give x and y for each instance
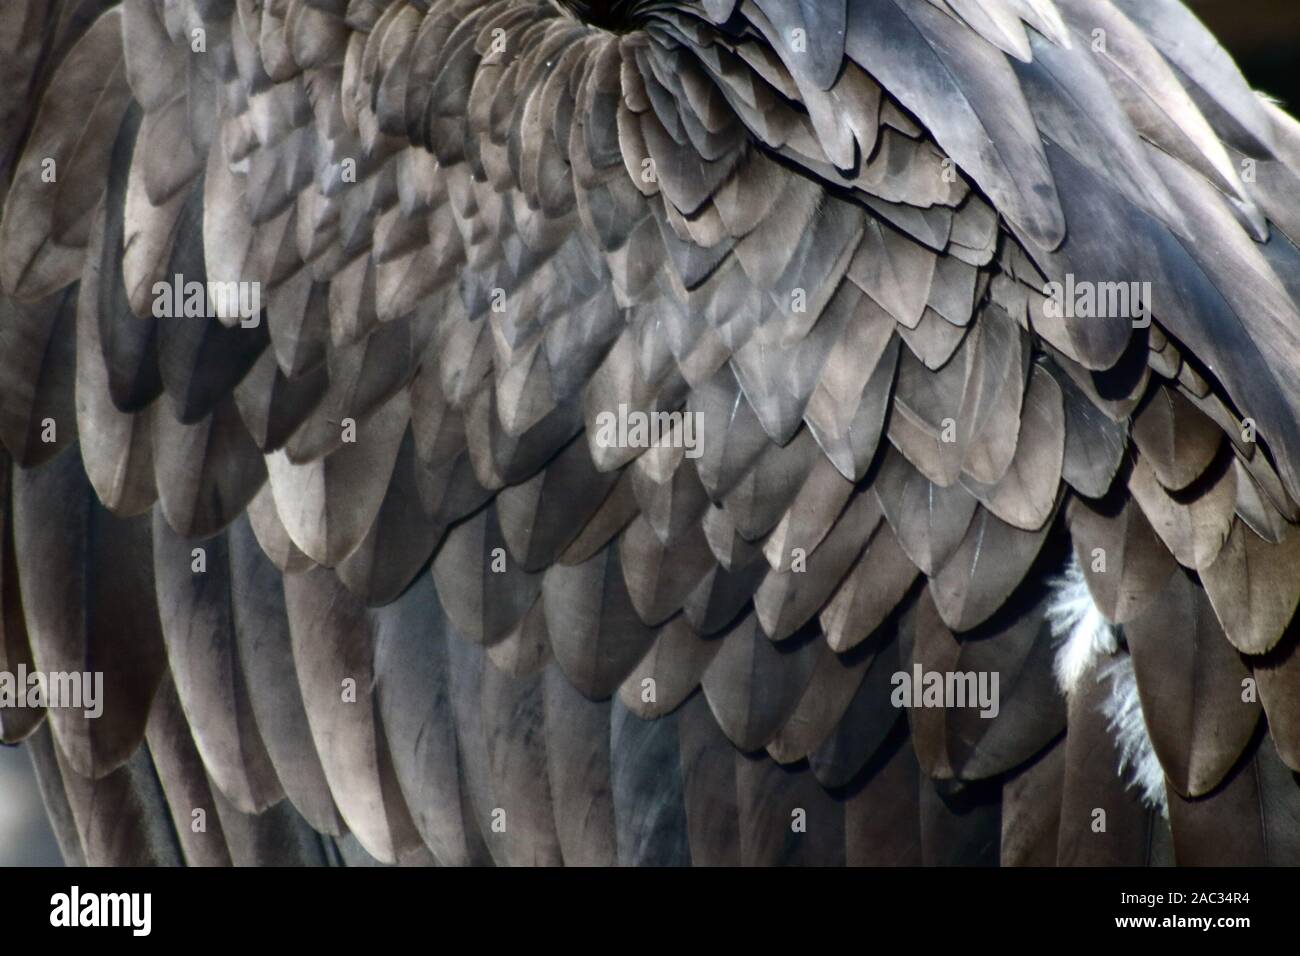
(374, 566)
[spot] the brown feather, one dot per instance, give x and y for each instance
(1191, 682)
(1195, 526)
(1123, 561)
(88, 599)
(987, 566)
(1254, 588)
(1176, 440)
(1025, 496)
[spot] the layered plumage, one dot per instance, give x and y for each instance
(364, 578)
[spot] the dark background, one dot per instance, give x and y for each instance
(1264, 36)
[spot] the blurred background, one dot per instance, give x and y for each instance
(1264, 36)
(25, 835)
